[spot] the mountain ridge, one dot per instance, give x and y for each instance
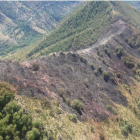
(87, 93)
(89, 34)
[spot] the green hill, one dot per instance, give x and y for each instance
(22, 23)
(83, 27)
(79, 30)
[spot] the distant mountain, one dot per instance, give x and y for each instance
(23, 22)
(82, 28)
(136, 4)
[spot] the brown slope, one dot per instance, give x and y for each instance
(72, 75)
(65, 74)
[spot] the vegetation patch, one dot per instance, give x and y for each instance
(111, 109)
(73, 117)
(106, 76)
(78, 105)
(119, 51)
(106, 50)
(14, 123)
(35, 67)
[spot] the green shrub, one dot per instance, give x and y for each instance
(73, 118)
(62, 92)
(92, 129)
(138, 65)
(86, 81)
(96, 72)
(100, 69)
(104, 61)
(58, 110)
(137, 78)
(119, 51)
(78, 105)
(118, 75)
(52, 113)
(127, 88)
(124, 131)
(98, 53)
(139, 105)
(14, 123)
(139, 50)
(102, 137)
(111, 109)
(83, 60)
(68, 102)
(92, 66)
(107, 51)
(35, 67)
(33, 134)
(37, 124)
(129, 64)
(126, 128)
(106, 76)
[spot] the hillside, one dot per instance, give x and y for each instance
(136, 4)
(82, 28)
(22, 23)
(89, 92)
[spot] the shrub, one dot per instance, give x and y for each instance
(83, 60)
(73, 118)
(111, 109)
(104, 61)
(98, 53)
(86, 81)
(61, 92)
(100, 69)
(106, 76)
(137, 78)
(126, 128)
(37, 124)
(127, 88)
(14, 123)
(35, 67)
(78, 105)
(96, 72)
(102, 137)
(58, 110)
(68, 102)
(119, 51)
(51, 113)
(92, 66)
(139, 105)
(129, 64)
(124, 131)
(118, 75)
(92, 129)
(34, 134)
(6, 95)
(139, 50)
(138, 65)
(138, 72)
(107, 51)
